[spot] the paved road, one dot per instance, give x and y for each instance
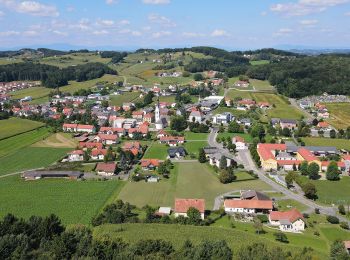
(244, 157)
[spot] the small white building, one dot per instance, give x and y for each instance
(224, 118)
(76, 156)
(247, 206)
(240, 143)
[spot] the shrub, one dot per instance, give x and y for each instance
(332, 219)
(279, 236)
(317, 211)
(263, 218)
(344, 225)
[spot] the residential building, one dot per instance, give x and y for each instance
(289, 221)
(149, 164)
(76, 156)
(240, 143)
(106, 169)
(195, 116)
(98, 154)
(176, 152)
(248, 206)
(224, 118)
(183, 205)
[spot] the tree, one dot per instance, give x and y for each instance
(313, 170)
(341, 209)
(198, 77)
(332, 134)
(257, 130)
(286, 132)
(194, 216)
(344, 225)
(163, 169)
(309, 190)
(109, 155)
(234, 127)
(201, 157)
(258, 226)
(333, 219)
(223, 162)
(333, 172)
(226, 176)
(338, 251)
(289, 179)
(178, 123)
(281, 237)
(303, 168)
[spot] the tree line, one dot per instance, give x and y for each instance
(52, 76)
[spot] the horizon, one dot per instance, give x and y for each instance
(129, 25)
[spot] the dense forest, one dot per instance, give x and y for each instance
(52, 76)
(115, 55)
(307, 75)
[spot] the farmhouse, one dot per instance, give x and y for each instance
(196, 116)
(112, 131)
(90, 145)
(289, 221)
(248, 206)
(253, 195)
(149, 164)
(98, 154)
(172, 140)
(224, 118)
(106, 169)
(76, 156)
(107, 139)
(86, 128)
(34, 175)
(183, 205)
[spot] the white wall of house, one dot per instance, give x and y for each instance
(239, 210)
(177, 214)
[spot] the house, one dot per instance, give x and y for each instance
(133, 147)
(163, 211)
(98, 154)
(76, 156)
(128, 106)
(86, 128)
(239, 142)
(162, 133)
(137, 115)
(183, 205)
(253, 195)
(112, 131)
(324, 114)
(107, 139)
(288, 123)
(90, 145)
(214, 159)
(264, 105)
(267, 153)
(246, 104)
(70, 127)
(247, 206)
(323, 125)
(195, 116)
(245, 121)
(224, 118)
(149, 164)
(176, 152)
(106, 169)
(172, 140)
(152, 178)
(289, 221)
(148, 118)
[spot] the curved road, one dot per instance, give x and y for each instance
(243, 157)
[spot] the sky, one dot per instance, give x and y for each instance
(131, 24)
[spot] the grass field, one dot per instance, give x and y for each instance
(14, 126)
(339, 114)
(259, 62)
(73, 201)
(287, 204)
(337, 192)
(34, 92)
(316, 141)
(156, 151)
(12, 144)
(74, 59)
(247, 137)
(58, 140)
(192, 147)
(118, 100)
(232, 94)
(262, 85)
(30, 158)
(188, 180)
(189, 136)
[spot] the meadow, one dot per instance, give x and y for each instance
(156, 151)
(12, 144)
(187, 180)
(58, 140)
(333, 192)
(74, 59)
(339, 114)
(34, 92)
(73, 201)
(30, 158)
(118, 100)
(247, 137)
(14, 126)
(319, 141)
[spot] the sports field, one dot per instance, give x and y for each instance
(339, 114)
(30, 158)
(73, 201)
(188, 180)
(14, 126)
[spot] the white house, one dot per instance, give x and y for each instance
(240, 143)
(247, 206)
(289, 221)
(214, 159)
(76, 156)
(224, 118)
(195, 116)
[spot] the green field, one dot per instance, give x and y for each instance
(156, 151)
(118, 100)
(73, 201)
(30, 158)
(189, 136)
(262, 85)
(287, 204)
(247, 137)
(259, 62)
(192, 147)
(188, 180)
(12, 144)
(34, 92)
(232, 94)
(74, 59)
(337, 192)
(316, 141)
(14, 126)
(339, 114)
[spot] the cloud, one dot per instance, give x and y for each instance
(105, 22)
(305, 7)
(161, 34)
(60, 33)
(219, 33)
(264, 13)
(2, 13)
(9, 33)
(308, 22)
(283, 32)
(30, 33)
(162, 20)
(156, 2)
(70, 8)
(124, 22)
(347, 14)
(192, 34)
(101, 32)
(110, 2)
(31, 7)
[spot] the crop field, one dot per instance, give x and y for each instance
(74, 59)
(73, 201)
(319, 141)
(188, 180)
(58, 140)
(30, 158)
(118, 100)
(233, 236)
(14, 126)
(34, 92)
(339, 114)
(12, 144)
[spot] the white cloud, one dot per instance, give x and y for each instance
(162, 20)
(60, 33)
(9, 33)
(308, 22)
(305, 7)
(110, 2)
(219, 33)
(124, 22)
(192, 34)
(105, 22)
(31, 7)
(156, 2)
(347, 14)
(136, 33)
(283, 32)
(70, 8)
(161, 34)
(101, 32)
(264, 13)
(2, 13)
(30, 33)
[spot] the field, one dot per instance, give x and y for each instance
(74, 59)
(188, 180)
(339, 114)
(192, 147)
(12, 144)
(287, 204)
(156, 151)
(262, 85)
(58, 140)
(189, 136)
(30, 158)
(14, 126)
(337, 192)
(247, 137)
(316, 141)
(259, 62)
(118, 100)
(34, 92)
(73, 201)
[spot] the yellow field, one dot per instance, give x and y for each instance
(58, 140)
(340, 114)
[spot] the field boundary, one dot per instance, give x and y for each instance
(22, 133)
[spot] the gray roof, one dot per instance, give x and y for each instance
(43, 174)
(173, 150)
(210, 150)
(252, 193)
(285, 222)
(318, 149)
(288, 121)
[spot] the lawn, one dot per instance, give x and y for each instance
(73, 201)
(235, 238)
(287, 204)
(30, 158)
(259, 62)
(247, 137)
(189, 136)
(74, 59)
(232, 94)
(337, 192)
(156, 151)
(14, 126)
(338, 143)
(188, 180)
(339, 114)
(262, 85)
(192, 147)
(118, 100)
(12, 144)
(34, 92)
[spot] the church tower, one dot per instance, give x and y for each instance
(157, 111)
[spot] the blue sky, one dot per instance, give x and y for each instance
(129, 24)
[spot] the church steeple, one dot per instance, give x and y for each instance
(157, 111)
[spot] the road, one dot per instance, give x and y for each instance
(294, 103)
(244, 157)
